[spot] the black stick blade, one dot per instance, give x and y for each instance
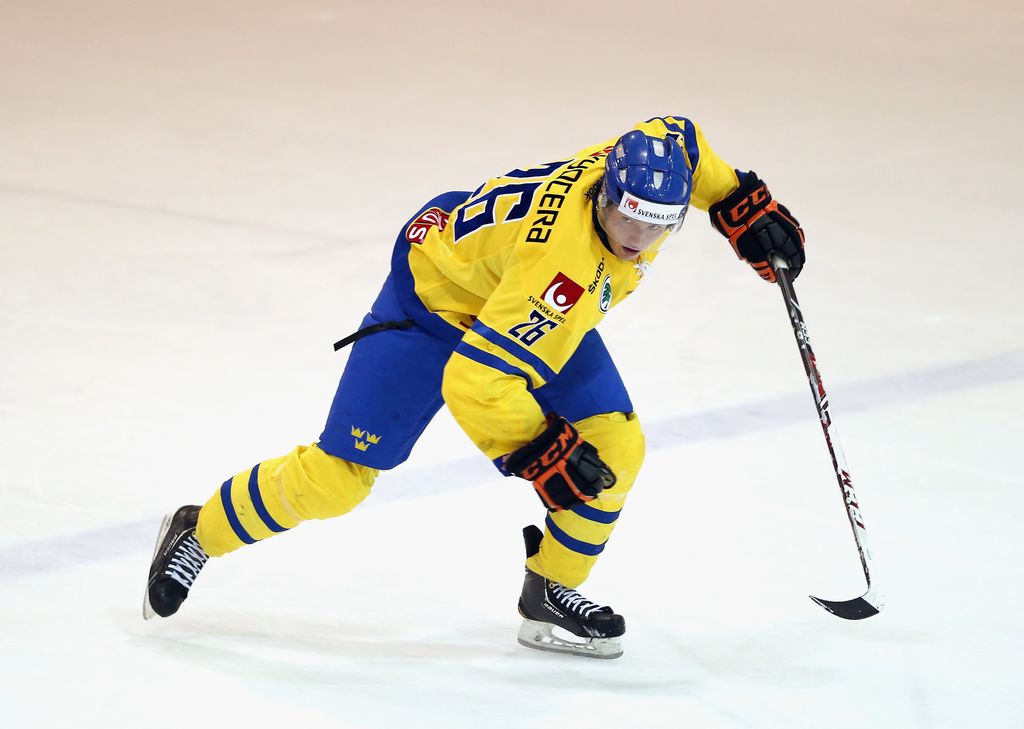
(856, 609)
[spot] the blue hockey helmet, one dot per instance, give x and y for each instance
(648, 179)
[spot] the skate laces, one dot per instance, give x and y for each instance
(186, 562)
(575, 601)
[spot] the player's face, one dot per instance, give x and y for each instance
(627, 237)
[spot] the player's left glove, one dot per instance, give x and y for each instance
(564, 468)
(757, 226)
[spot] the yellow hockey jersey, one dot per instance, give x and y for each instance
(520, 267)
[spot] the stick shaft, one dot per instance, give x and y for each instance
(803, 342)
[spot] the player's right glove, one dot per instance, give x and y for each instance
(564, 468)
(757, 227)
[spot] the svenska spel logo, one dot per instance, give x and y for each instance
(632, 204)
(562, 293)
(430, 218)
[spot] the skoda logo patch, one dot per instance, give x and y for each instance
(606, 295)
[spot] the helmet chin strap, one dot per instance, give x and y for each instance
(597, 225)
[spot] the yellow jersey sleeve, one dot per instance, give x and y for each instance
(523, 336)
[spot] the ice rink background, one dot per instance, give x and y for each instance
(198, 198)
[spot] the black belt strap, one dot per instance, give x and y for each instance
(372, 329)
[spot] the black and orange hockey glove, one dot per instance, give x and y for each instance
(564, 468)
(757, 226)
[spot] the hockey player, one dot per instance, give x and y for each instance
(491, 307)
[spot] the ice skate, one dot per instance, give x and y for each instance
(557, 618)
(177, 560)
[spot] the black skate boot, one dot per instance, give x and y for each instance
(177, 560)
(586, 628)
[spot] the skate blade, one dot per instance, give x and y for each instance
(147, 609)
(542, 636)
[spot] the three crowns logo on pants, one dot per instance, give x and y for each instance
(371, 439)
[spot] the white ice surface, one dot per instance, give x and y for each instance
(196, 199)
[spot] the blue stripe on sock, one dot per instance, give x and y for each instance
(575, 545)
(589, 512)
(257, 501)
(225, 499)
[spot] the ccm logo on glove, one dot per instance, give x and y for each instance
(564, 468)
(757, 227)
(751, 203)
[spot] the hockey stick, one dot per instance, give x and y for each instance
(871, 601)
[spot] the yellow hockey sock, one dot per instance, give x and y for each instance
(278, 494)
